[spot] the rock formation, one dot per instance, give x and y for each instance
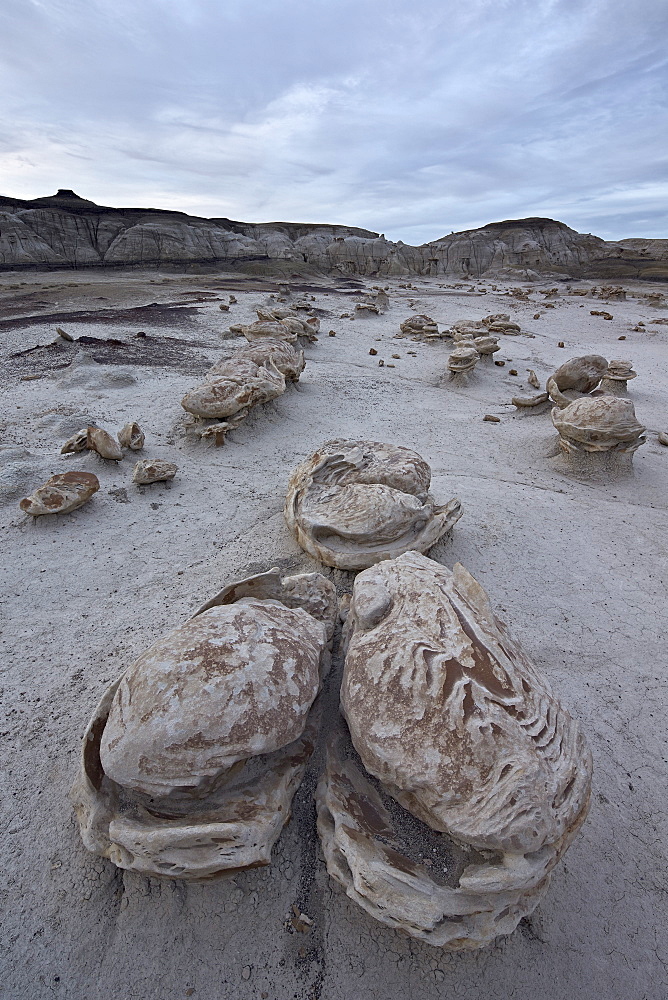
(598, 424)
(575, 377)
(353, 503)
(192, 757)
(233, 386)
(616, 377)
(66, 230)
(468, 780)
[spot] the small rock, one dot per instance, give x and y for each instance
(64, 335)
(663, 437)
(372, 350)
(561, 344)
(102, 442)
(381, 363)
(536, 315)
(397, 356)
(512, 371)
(78, 442)
(533, 379)
(492, 419)
(600, 312)
(246, 972)
(500, 364)
(332, 333)
(153, 470)
(140, 333)
(621, 338)
(233, 299)
(61, 494)
(224, 307)
(131, 436)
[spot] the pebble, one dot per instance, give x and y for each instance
(512, 371)
(663, 437)
(246, 972)
(500, 364)
(372, 350)
(561, 344)
(492, 419)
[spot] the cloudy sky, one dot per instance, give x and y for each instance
(408, 117)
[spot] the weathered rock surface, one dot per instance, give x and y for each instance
(453, 722)
(153, 470)
(238, 385)
(131, 436)
(192, 758)
(598, 424)
(61, 494)
(463, 359)
(104, 444)
(353, 503)
(68, 230)
(574, 377)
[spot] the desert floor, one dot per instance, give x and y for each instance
(574, 563)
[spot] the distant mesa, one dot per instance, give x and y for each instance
(66, 230)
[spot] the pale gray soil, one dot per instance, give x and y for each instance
(575, 565)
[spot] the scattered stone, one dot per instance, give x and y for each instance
(492, 419)
(64, 335)
(381, 363)
(332, 333)
(512, 371)
(663, 437)
(500, 364)
(104, 444)
(224, 307)
(561, 344)
(131, 436)
(397, 356)
(153, 470)
(522, 401)
(61, 494)
(599, 312)
(372, 350)
(233, 299)
(536, 315)
(533, 379)
(78, 442)
(621, 338)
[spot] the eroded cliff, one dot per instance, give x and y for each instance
(68, 231)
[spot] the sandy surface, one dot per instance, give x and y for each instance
(576, 565)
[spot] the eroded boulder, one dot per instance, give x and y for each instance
(353, 503)
(192, 757)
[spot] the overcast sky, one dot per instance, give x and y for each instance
(408, 117)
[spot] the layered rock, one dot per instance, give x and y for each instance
(66, 230)
(192, 757)
(468, 779)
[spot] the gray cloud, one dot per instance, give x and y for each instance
(412, 118)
